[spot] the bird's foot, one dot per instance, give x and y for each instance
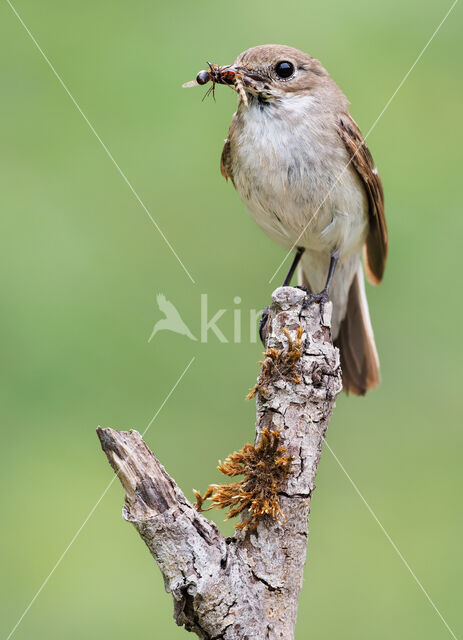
(306, 290)
(320, 298)
(310, 298)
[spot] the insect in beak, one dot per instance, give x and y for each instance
(228, 74)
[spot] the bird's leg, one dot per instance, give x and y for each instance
(292, 268)
(322, 297)
(333, 262)
(286, 283)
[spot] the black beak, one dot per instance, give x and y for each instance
(251, 75)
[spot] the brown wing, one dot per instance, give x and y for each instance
(225, 164)
(225, 160)
(377, 241)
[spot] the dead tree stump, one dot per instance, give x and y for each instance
(245, 587)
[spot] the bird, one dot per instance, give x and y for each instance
(299, 162)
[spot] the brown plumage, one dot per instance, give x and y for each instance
(377, 243)
(300, 164)
(359, 358)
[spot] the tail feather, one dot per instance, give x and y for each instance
(356, 342)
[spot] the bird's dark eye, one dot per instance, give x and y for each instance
(284, 69)
(203, 77)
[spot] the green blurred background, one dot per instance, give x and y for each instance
(81, 265)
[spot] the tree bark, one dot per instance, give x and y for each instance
(246, 586)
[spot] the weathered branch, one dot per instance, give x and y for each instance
(247, 586)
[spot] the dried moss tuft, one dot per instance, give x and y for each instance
(265, 468)
(279, 364)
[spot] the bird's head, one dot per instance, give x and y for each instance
(274, 72)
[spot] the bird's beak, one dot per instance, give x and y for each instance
(250, 76)
(251, 81)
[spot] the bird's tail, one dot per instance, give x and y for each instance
(356, 342)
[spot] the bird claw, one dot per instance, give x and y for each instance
(320, 298)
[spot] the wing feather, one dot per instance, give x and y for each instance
(226, 165)
(376, 246)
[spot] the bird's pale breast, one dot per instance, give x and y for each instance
(292, 172)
